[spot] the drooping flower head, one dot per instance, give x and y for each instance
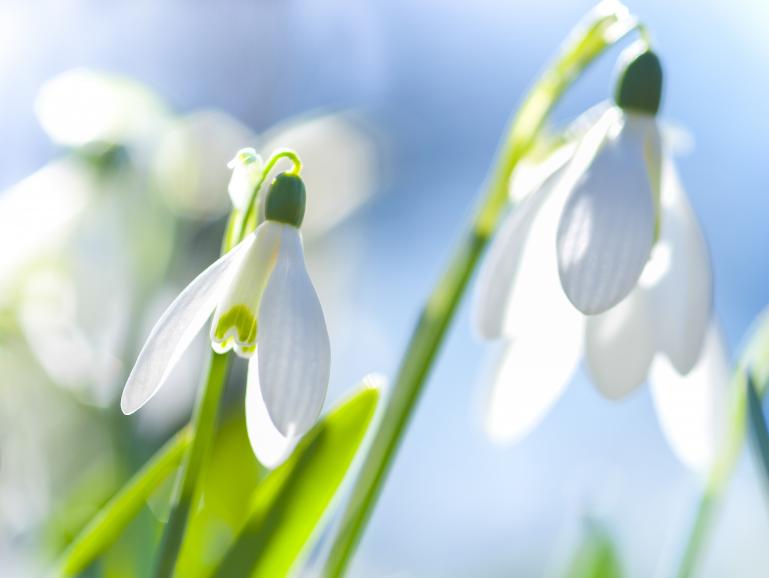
(604, 257)
(260, 292)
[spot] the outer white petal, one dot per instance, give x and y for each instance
(270, 446)
(693, 409)
(501, 269)
(294, 352)
(177, 327)
(518, 291)
(679, 278)
(530, 377)
(607, 227)
(235, 320)
(619, 346)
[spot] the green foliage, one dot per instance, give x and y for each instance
(227, 485)
(107, 525)
(287, 507)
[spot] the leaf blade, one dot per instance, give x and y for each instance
(291, 501)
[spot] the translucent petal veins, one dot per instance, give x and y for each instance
(177, 327)
(294, 351)
(607, 227)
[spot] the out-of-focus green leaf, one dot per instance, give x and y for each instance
(131, 555)
(227, 487)
(107, 525)
(290, 502)
(758, 428)
(597, 555)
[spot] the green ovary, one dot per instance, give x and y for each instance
(240, 319)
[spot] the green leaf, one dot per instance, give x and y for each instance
(227, 486)
(291, 501)
(758, 428)
(597, 556)
(107, 525)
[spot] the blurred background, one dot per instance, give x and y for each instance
(116, 123)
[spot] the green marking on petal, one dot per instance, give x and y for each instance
(241, 319)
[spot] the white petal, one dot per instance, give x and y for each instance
(619, 346)
(518, 290)
(177, 327)
(679, 278)
(270, 446)
(246, 168)
(294, 352)
(530, 377)
(235, 320)
(607, 227)
(530, 176)
(693, 409)
(501, 268)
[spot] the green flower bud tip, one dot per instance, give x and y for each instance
(639, 86)
(286, 200)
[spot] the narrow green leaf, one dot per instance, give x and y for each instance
(292, 499)
(107, 525)
(758, 428)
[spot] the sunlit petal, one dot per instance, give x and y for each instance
(501, 268)
(693, 409)
(679, 279)
(235, 320)
(530, 377)
(518, 291)
(270, 446)
(619, 346)
(294, 352)
(177, 327)
(607, 228)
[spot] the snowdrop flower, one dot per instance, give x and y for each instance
(261, 287)
(605, 258)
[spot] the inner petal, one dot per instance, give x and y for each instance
(235, 321)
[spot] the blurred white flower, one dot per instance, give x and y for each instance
(572, 271)
(338, 155)
(37, 213)
(339, 164)
(82, 106)
(262, 282)
(189, 164)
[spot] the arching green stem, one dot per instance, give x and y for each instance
(605, 25)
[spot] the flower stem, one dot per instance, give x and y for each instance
(106, 526)
(185, 496)
(605, 25)
(242, 222)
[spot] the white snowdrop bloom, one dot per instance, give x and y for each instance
(261, 287)
(604, 259)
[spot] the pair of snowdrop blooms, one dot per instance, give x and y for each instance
(260, 287)
(604, 257)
